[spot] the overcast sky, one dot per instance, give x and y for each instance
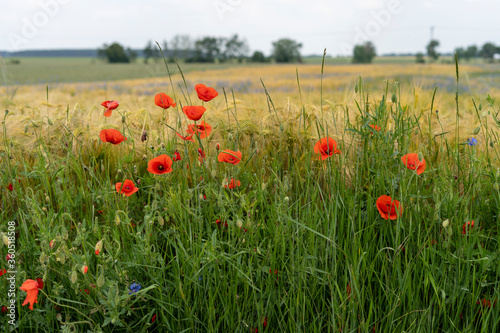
(392, 25)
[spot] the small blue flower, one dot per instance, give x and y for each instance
(134, 287)
(472, 142)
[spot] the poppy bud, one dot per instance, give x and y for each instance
(230, 136)
(446, 223)
(117, 219)
(239, 223)
(74, 277)
(161, 221)
(144, 136)
(26, 128)
(50, 122)
(123, 119)
(59, 317)
(85, 269)
(217, 146)
(476, 130)
(98, 247)
(119, 171)
(5, 240)
(287, 199)
(144, 157)
(163, 145)
(495, 186)
(200, 196)
(44, 209)
(47, 199)
(51, 244)
(394, 98)
(100, 280)
(484, 114)
(6, 112)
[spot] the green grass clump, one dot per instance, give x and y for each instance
(299, 246)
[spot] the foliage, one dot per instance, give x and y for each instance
(420, 58)
(432, 50)
(286, 50)
(151, 51)
(258, 56)
(488, 51)
(115, 53)
(364, 54)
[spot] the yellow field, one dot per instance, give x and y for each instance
(136, 97)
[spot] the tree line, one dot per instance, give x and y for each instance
(207, 49)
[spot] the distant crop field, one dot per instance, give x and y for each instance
(349, 198)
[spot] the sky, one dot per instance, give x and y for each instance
(393, 26)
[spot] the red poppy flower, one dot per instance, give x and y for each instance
(3, 271)
(375, 127)
(110, 106)
(4, 309)
(201, 155)
(232, 184)
(127, 189)
(85, 269)
(484, 303)
(176, 157)
(154, 318)
(205, 93)
(10, 187)
(164, 101)
(40, 283)
(112, 136)
(186, 138)
(203, 129)
(100, 212)
(229, 156)
(160, 165)
(412, 162)
(31, 288)
(8, 257)
(326, 147)
(221, 223)
(467, 226)
(194, 112)
(388, 207)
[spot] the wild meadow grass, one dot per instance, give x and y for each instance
(299, 246)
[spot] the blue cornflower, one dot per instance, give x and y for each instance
(134, 287)
(472, 142)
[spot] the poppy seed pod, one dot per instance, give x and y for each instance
(100, 281)
(74, 277)
(144, 136)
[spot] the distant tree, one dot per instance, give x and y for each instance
(234, 48)
(132, 55)
(471, 52)
(115, 53)
(460, 52)
(488, 51)
(420, 58)
(181, 47)
(258, 56)
(287, 50)
(151, 51)
(431, 50)
(207, 49)
(364, 54)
